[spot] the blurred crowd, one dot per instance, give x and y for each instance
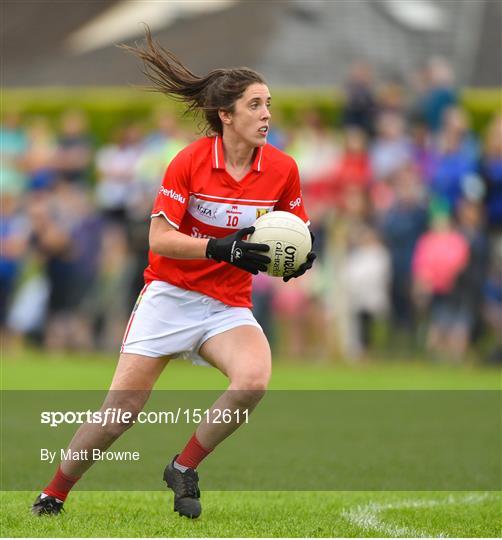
(405, 203)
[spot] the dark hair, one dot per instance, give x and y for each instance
(219, 89)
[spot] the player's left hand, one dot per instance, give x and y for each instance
(307, 265)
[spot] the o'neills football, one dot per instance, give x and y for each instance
(289, 240)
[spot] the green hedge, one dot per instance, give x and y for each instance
(109, 108)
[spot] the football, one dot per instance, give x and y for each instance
(289, 240)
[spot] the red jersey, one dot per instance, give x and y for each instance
(199, 198)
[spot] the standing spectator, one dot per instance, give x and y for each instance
(355, 213)
(116, 167)
(391, 97)
(109, 302)
(469, 285)
(360, 104)
(456, 121)
(455, 161)
(402, 225)
(353, 168)
(13, 146)
(391, 149)
(165, 128)
(74, 149)
(423, 152)
(440, 92)
(14, 233)
(440, 256)
(314, 147)
(491, 172)
(167, 139)
(38, 160)
(367, 276)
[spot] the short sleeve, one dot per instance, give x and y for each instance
(291, 198)
(172, 198)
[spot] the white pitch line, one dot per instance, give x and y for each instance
(367, 516)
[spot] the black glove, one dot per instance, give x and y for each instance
(232, 249)
(307, 265)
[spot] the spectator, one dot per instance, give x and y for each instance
(490, 169)
(440, 256)
(153, 153)
(455, 161)
(38, 160)
(423, 152)
(456, 121)
(314, 147)
(391, 98)
(367, 276)
(162, 145)
(355, 213)
(440, 93)
(74, 149)
(116, 168)
(391, 149)
(402, 225)
(108, 302)
(357, 208)
(469, 285)
(12, 149)
(360, 103)
(14, 233)
(353, 168)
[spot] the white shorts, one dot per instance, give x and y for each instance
(167, 320)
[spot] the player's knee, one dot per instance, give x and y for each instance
(120, 418)
(251, 382)
(116, 428)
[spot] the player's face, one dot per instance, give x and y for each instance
(251, 116)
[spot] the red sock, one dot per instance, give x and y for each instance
(60, 485)
(192, 454)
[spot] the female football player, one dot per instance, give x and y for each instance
(197, 294)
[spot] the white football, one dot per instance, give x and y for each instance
(289, 240)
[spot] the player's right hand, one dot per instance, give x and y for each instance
(234, 250)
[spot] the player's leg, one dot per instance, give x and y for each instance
(132, 383)
(130, 389)
(243, 355)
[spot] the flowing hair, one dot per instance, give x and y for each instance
(219, 89)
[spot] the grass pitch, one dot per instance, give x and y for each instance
(33, 370)
(261, 514)
(255, 514)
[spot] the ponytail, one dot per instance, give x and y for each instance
(219, 89)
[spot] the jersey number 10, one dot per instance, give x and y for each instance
(232, 221)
